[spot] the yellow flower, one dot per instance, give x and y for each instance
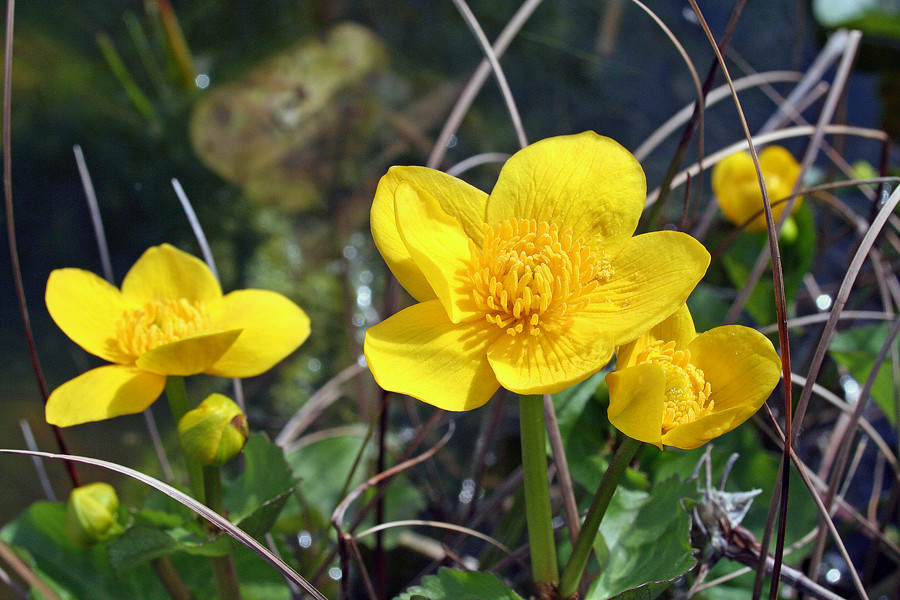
(170, 318)
(736, 186)
(531, 287)
(681, 389)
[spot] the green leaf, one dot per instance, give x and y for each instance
(322, 468)
(260, 487)
(648, 540)
(81, 572)
(143, 543)
(796, 260)
(581, 424)
(450, 584)
(856, 350)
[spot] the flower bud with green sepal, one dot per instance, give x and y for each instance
(214, 432)
(91, 514)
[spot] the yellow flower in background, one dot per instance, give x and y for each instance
(681, 389)
(531, 287)
(170, 318)
(736, 186)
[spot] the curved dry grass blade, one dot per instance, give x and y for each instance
(783, 338)
(106, 264)
(766, 138)
(837, 89)
(847, 315)
(843, 294)
(24, 571)
(318, 402)
(31, 444)
(337, 517)
(474, 161)
(210, 261)
(451, 126)
(198, 507)
(837, 470)
(806, 477)
(96, 220)
(864, 423)
(478, 32)
(697, 120)
(834, 47)
(714, 96)
(573, 521)
(11, 233)
(437, 525)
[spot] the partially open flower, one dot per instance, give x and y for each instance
(214, 432)
(531, 287)
(736, 186)
(170, 318)
(91, 513)
(681, 389)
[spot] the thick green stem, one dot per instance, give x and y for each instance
(223, 566)
(178, 403)
(582, 549)
(537, 492)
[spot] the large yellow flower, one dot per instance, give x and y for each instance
(736, 185)
(681, 389)
(170, 318)
(530, 287)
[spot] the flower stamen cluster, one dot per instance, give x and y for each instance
(529, 277)
(160, 322)
(688, 393)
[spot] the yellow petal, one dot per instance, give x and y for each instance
(188, 356)
(585, 182)
(736, 188)
(103, 393)
(678, 328)
(272, 327)
(739, 363)
(552, 361)
(636, 398)
(780, 170)
(652, 277)
(439, 247)
(419, 352)
(736, 185)
(165, 272)
(87, 309)
(693, 435)
(457, 198)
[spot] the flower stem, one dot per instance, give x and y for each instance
(170, 578)
(223, 566)
(582, 548)
(537, 492)
(178, 403)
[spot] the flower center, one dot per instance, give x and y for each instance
(687, 391)
(529, 277)
(160, 322)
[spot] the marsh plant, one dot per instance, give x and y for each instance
(467, 364)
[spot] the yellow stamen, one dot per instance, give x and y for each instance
(527, 276)
(160, 322)
(688, 394)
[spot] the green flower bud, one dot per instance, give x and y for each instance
(91, 513)
(214, 432)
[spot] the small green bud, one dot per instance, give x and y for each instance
(214, 432)
(789, 231)
(91, 513)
